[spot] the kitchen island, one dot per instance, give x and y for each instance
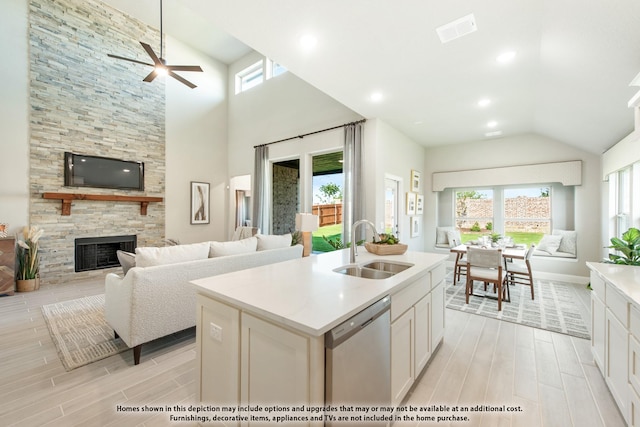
(261, 332)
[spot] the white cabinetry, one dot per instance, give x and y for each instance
(402, 356)
(244, 360)
(417, 327)
(598, 322)
(614, 348)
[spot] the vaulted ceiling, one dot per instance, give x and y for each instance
(569, 79)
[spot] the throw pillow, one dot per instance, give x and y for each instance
(441, 235)
(233, 248)
(453, 237)
(127, 260)
(271, 241)
(568, 243)
(150, 256)
(549, 243)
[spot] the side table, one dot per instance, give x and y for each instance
(7, 266)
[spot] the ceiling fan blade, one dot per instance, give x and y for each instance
(184, 68)
(129, 59)
(152, 75)
(181, 80)
(151, 53)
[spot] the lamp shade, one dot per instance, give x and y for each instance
(306, 222)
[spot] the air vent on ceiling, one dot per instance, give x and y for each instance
(456, 29)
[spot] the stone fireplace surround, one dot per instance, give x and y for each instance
(81, 101)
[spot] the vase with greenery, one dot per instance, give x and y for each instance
(28, 258)
(628, 248)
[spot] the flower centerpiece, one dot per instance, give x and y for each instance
(28, 259)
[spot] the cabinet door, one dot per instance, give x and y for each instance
(218, 355)
(402, 356)
(617, 353)
(598, 327)
(634, 363)
(634, 408)
(437, 315)
(422, 336)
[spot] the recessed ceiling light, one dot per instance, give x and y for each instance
(308, 41)
(495, 133)
(484, 102)
(376, 97)
(418, 122)
(506, 57)
(492, 124)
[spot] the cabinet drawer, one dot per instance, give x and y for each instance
(437, 275)
(597, 285)
(617, 304)
(407, 297)
(634, 323)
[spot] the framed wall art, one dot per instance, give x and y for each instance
(415, 181)
(199, 202)
(411, 203)
(419, 204)
(415, 226)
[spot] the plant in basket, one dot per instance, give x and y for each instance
(28, 258)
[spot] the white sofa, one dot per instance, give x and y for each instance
(152, 301)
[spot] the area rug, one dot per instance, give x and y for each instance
(555, 308)
(80, 332)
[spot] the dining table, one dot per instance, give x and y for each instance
(515, 252)
(508, 255)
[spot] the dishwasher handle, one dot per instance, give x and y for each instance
(352, 326)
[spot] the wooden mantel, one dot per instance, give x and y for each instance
(67, 198)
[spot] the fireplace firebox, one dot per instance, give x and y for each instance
(95, 253)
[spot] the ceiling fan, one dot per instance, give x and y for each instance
(159, 65)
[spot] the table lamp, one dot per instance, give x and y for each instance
(306, 223)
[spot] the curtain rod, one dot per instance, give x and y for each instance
(311, 133)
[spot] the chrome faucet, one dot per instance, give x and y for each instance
(354, 244)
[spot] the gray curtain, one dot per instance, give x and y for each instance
(353, 195)
(260, 191)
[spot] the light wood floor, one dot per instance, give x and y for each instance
(482, 361)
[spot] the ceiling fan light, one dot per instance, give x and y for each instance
(161, 71)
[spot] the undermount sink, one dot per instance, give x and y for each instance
(391, 267)
(374, 269)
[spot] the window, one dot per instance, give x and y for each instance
(474, 213)
(257, 73)
(527, 214)
(250, 77)
(274, 69)
(522, 213)
(620, 202)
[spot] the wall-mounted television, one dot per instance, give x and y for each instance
(102, 172)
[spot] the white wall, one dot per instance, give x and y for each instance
(522, 150)
(395, 154)
(196, 144)
(282, 107)
(14, 111)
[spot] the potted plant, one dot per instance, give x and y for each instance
(28, 259)
(628, 247)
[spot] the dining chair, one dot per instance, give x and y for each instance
(460, 266)
(520, 272)
(485, 265)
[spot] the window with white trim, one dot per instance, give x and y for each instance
(250, 77)
(257, 73)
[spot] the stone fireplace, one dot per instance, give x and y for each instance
(96, 253)
(81, 101)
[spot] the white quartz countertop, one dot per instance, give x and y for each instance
(306, 294)
(624, 277)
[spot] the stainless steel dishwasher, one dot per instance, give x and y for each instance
(358, 359)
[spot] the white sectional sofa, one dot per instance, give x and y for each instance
(154, 298)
